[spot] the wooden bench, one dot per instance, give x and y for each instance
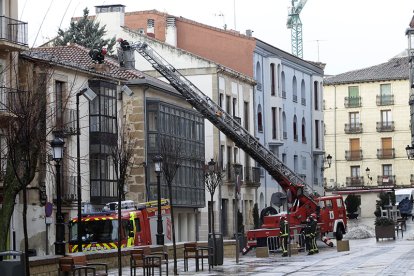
(67, 265)
(81, 260)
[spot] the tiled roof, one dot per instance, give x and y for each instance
(77, 57)
(395, 69)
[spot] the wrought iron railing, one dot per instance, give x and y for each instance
(13, 30)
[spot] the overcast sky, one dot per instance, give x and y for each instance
(344, 34)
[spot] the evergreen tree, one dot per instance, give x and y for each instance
(85, 32)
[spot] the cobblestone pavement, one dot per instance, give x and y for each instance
(366, 257)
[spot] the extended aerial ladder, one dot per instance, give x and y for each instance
(286, 178)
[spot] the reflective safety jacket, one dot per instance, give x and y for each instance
(284, 228)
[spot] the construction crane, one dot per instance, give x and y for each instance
(295, 24)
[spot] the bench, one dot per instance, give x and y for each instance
(82, 261)
(67, 265)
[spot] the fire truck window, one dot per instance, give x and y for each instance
(329, 204)
(339, 202)
(138, 225)
(322, 204)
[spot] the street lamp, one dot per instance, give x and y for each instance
(410, 35)
(90, 95)
(329, 160)
(158, 168)
(237, 171)
(368, 172)
(410, 151)
(57, 147)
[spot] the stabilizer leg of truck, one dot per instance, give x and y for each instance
(327, 241)
(247, 249)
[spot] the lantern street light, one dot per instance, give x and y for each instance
(90, 95)
(57, 147)
(368, 172)
(329, 160)
(410, 151)
(158, 168)
(410, 35)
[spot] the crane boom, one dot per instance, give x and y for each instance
(295, 24)
(286, 178)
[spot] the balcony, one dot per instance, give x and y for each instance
(252, 177)
(283, 94)
(238, 119)
(386, 180)
(295, 98)
(412, 179)
(9, 97)
(353, 155)
(259, 86)
(353, 128)
(355, 181)
(385, 153)
(385, 100)
(352, 102)
(13, 34)
(65, 123)
(231, 174)
(303, 101)
(385, 126)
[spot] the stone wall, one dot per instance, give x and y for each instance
(49, 265)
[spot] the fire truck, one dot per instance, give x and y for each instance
(138, 226)
(330, 210)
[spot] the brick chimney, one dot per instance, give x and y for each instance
(151, 27)
(171, 32)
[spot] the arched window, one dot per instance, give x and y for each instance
(295, 89)
(302, 93)
(259, 119)
(259, 76)
(278, 79)
(283, 85)
(272, 79)
(303, 131)
(295, 128)
(284, 126)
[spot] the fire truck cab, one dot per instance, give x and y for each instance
(99, 230)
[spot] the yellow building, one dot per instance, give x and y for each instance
(367, 127)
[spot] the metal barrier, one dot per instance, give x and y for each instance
(273, 244)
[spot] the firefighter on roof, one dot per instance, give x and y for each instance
(284, 235)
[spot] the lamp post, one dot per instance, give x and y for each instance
(237, 171)
(368, 172)
(329, 160)
(90, 95)
(57, 147)
(158, 168)
(410, 35)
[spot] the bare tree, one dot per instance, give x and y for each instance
(123, 159)
(25, 135)
(213, 178)
(172, 155)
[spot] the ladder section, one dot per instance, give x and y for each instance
(227, 124)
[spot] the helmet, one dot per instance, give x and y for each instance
(313, 215)
(283, 218)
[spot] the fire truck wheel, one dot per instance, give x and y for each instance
(339, 233)
(267, 211)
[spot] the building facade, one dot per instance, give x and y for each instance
(367, 129)
(289, 117)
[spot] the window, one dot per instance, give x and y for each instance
(355, 171)
(284, 158)
(354, 119)
(317, 134)
(234, 107)
(258, 76)
(387, 150)
(272, 78)
(387, 170)
(385, 93)
(295, 163)
(316, 95)
(59, 90)
(295, 89)
(259, 119)
(246, 115)
(386, 118)
(303, 163)
(228, 104)
(303, 93)
(221, 100)
(283, 85)
(295, 129)
(303, 131)
(353, 96)
(284, 125)
(274, 123)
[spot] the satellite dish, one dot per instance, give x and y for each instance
(278, 199)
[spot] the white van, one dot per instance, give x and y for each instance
(400, 194)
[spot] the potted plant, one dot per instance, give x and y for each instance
(352, 202)
(384, 228)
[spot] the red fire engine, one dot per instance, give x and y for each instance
(330, 211)
(99, 230)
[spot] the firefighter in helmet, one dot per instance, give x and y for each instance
(284, 235)
(308, 237)
(313, 225)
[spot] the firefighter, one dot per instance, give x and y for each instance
(313, 226)
(308, 238)
(284, 235)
